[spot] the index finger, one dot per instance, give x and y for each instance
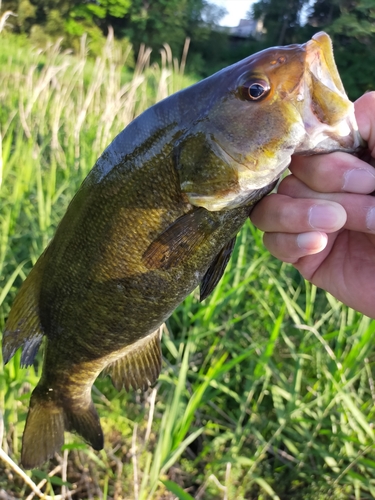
(342, 172)
(334, 173)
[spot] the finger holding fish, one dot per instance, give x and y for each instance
(291, 248)
(323, 208)
(297, 219)
(341, 262)
(338, 172)
(283, 216)
(296, 228)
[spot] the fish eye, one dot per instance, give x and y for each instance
(254, 90)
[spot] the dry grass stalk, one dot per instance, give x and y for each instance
(1, 159)
(4, 17)
(35, 488)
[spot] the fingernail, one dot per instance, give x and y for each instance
(359, 180)
(311, 241)
(370, 219)
(326, 217)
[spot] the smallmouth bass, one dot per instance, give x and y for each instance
(156, 217)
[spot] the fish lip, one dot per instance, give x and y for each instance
(326, 111)
(320, 64)
(322, 151)
(319, 51)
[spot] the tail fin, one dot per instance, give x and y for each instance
(45, 424)
(87, 424)
(44, 432)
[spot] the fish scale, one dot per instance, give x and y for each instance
(156, 217)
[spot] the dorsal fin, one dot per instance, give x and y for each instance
(140, 366)
(23, 327)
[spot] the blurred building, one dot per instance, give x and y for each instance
(247, 28)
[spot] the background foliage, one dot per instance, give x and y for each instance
(351, 23)
(267, 389)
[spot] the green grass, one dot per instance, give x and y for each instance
(267, 389)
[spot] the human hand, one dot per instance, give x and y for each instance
(322, 219)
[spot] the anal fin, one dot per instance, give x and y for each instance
(139, 366)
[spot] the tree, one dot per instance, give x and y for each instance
(350, 18)
(85, 15)
(281, 19)
(59, 17)
(163, 21)
(351, 24)
(324, 12)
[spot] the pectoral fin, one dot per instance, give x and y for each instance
(140, 366)
(180, 239)
(216, 270)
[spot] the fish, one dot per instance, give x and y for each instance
(156, 217)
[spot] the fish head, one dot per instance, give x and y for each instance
(262, 110)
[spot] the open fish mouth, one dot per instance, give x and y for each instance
(327, 113)
(320, 58)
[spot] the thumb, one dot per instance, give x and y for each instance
(365, 115)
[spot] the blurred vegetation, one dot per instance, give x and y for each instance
(267, 389)
(351, 24)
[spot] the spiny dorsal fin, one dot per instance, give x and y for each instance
(23, 327)
(140, 366)
(216, 270)
(180, 239)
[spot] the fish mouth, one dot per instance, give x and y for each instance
(328, 114)
(319, 54)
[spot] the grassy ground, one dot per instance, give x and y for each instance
(267, 389)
